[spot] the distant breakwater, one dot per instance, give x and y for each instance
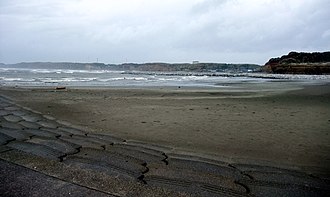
(220, 74)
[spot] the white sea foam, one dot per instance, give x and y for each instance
(10, 79)
(41, 77)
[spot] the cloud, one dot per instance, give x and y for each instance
(174, 30)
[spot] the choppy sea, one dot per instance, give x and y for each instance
(64, 77)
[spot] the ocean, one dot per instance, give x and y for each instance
(77, 78)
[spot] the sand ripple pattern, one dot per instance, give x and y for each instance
(119, 167)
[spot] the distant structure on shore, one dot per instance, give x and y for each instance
(316, 63)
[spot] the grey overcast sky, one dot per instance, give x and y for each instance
(117, 31)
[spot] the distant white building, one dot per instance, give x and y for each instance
(195, 62)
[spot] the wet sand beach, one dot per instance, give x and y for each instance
(287, 126)
(280, 125)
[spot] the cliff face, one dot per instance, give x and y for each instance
(299, 63)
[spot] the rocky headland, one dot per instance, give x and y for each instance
(316, 63)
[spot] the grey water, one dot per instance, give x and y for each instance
(66, 77)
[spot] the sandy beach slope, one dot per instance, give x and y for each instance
(277, 125)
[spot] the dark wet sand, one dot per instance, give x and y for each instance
(276, 125)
